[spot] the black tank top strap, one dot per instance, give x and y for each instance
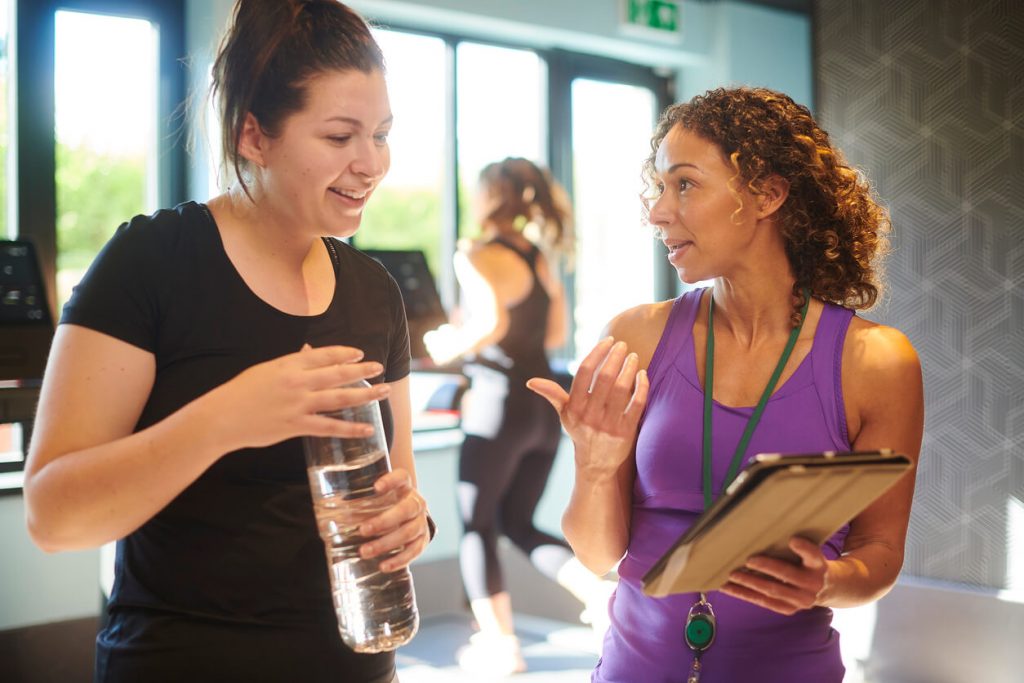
(530, 256)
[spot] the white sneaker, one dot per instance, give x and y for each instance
(495, 655)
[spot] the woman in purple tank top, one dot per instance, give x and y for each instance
(750, 195)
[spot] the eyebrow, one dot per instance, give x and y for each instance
(683, 164)
(356, 122)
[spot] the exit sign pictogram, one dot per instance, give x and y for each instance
(653, 15)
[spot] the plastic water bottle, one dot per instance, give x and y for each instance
(376, 610)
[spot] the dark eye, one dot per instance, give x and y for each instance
(382, 138)
(684, 185)
(339, 139)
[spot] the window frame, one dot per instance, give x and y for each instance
(35, 98)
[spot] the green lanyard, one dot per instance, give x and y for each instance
(709, 363)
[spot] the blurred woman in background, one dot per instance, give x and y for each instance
(513, 312)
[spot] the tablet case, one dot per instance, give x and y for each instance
(773, 499)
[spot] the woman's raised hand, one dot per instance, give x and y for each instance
(603, 407)
(284, 397)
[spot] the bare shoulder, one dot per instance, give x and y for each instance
(641, 327)
(874, 352)
(484, 257)
(882, 382)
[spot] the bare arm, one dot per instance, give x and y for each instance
(90, 480)
(885, 409)
(557, 323)
(886, 398)
(486, 315)
(601, 414)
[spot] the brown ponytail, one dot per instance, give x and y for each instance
(527, 193)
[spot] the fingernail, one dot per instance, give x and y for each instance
(367, 430)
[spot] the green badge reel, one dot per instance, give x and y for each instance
(700, 626)
(699, 634)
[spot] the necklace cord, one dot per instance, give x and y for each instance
(755, 417)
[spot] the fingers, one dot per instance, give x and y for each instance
(779, 585)
(768, 592)
(580, 389)
(401, 529)
(622, 388)
(638, 401)
(323, 425)
(331, 400)
(604, 380)
(550, 391)
(327, 355)
(408, 503)
(340, 374)
(809, 552)
(759, 598)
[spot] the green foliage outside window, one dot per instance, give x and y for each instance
(95, 194)
(403, 219)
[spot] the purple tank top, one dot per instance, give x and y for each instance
(805, 414)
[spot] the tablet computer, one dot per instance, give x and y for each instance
(772, 499)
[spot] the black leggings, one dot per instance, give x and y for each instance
(511, 441)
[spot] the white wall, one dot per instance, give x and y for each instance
(37, 588)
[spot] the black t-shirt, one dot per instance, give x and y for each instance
(239, 544)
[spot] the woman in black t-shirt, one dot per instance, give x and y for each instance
(202, 343)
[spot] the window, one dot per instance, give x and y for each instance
(105, 133)
(407, 209)
(500, 109)
(615, 251)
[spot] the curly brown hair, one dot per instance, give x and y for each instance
(835, 230)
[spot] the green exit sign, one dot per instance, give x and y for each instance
(653, 15)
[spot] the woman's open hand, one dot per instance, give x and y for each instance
(285, 397)
(781, 586)
(602, 410)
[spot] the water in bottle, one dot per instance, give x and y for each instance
(376, 610)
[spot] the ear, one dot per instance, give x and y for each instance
(252, 141)
(774, 189)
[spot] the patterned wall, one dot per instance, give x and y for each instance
(927, 97)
